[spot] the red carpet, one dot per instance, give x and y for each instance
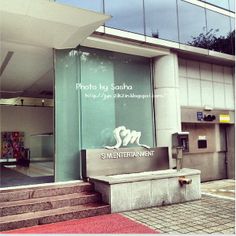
(114, 223)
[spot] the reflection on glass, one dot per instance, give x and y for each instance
(98, 107)
(232, 34)
(192, 24)
(111, 96)
(218, 34)
(67, 119)
(96, 91)
(93, 5)
(161, 18)
(126, 15)
(220, 3)
(232, 5)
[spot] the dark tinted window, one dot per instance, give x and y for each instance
(161, 18)
(93, 5)
(218, 32)
(126, 15)
(192, 24)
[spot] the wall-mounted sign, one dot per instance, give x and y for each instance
(224, 118)
(209, 117)
(125, 136)
(117, 155)
(97, 162)
(199, 116)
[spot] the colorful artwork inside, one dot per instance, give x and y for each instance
(12, 144)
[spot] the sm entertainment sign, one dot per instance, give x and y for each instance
(118, 155)
(100, 162)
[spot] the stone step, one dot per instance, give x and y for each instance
(47, 203)
(52, 216)
(27, 192)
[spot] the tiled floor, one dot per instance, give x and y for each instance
(206, 216)
(37, 173)
(36, 169)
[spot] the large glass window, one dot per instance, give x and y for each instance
(198, 27)
(220, 3)
(93, 5)
(232, 5)
(67, 116)
(97, 91)
(160, 19)
(126, 15)
(232, 34)
(218, 32)
(115, 79)
(192, 24)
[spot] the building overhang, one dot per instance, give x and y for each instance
(124, 46)
(45, 23)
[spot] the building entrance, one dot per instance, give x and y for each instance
(26, 114)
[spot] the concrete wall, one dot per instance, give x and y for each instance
(141, 190)
(230, 155)
(204, 84)
(211, 165)
(201, 130)
(30, 120)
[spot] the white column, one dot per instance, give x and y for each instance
(167, 104)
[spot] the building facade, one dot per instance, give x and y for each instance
(155, 66)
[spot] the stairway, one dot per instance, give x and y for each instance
(49, 203)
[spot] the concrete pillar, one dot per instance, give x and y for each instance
(167, 104)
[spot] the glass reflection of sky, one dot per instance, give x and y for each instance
(126, 15)
(93, 5)
(219, 23)
(161, 18)
(192, 21)
(232, 24)
(232, 5)
(220, 3)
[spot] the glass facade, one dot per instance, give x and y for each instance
(218, 32)
(173, 20)
(232, 5)
(220, 3)
(192, 31)
(126, 15)
(97, 91)
(160, 19)
(232, 34)
(93, 5)
(67, 118)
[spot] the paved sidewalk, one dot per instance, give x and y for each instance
(214, 213)
(222, 188)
